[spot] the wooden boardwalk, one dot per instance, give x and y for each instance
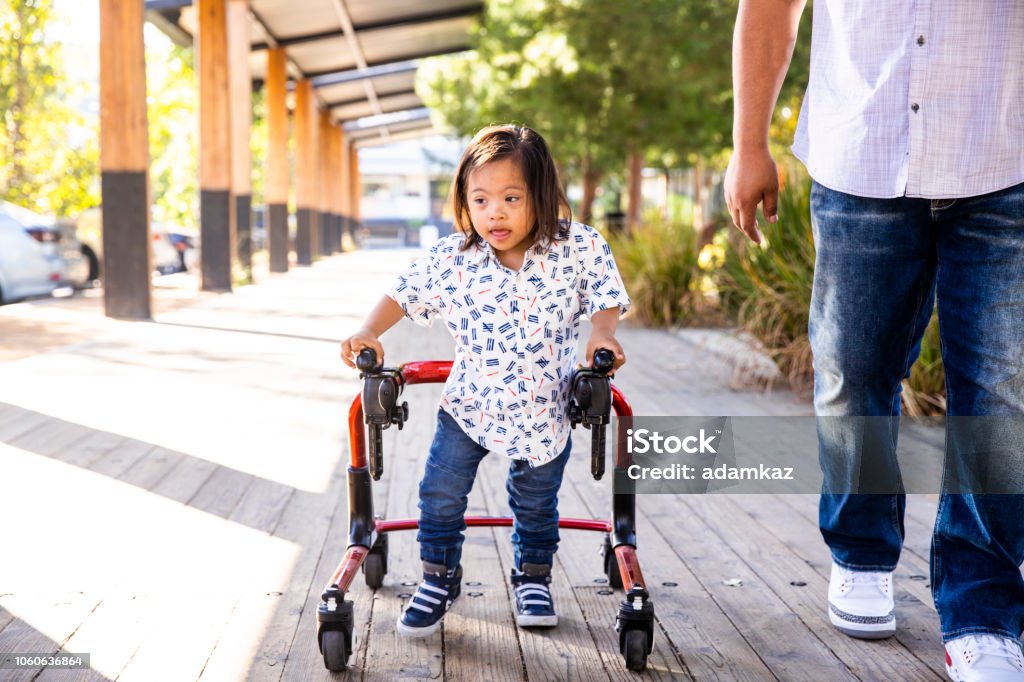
(173, 502)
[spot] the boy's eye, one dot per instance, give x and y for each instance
(478, 200)
(511, 198)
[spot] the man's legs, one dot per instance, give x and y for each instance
(873, 296)
(978, 544)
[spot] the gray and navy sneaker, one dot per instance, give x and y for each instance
(434, 596)
(534, 606)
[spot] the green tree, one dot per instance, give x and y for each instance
(603, 80)
(174, 154)
(49, 151)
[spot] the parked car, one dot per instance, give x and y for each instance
(173, 249)
(58, 241)
(24, 268)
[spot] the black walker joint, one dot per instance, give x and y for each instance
(590, 404)
(381, 388)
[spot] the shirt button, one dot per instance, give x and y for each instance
(914, 107)
(920, 40)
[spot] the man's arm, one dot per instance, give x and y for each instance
(762, 47)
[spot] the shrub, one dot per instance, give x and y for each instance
(767, 288)
(658, 264)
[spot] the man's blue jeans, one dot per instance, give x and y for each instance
(448, 480)
(880, 265)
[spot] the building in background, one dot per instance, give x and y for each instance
(405, 187)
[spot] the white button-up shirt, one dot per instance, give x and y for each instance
(515, 333)
(918, 99)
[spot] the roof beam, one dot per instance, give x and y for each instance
(318, 75)
(360, 100)
(369, 26)
(352, 75)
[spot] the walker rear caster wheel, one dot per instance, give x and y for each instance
(635, 649)
(335, 646)
(375, 565)
(611, 565)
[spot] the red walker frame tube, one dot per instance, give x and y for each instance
(621, 528)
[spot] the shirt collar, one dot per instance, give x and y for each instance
(481, 251)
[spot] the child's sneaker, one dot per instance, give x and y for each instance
(534, 606)
(434, 596)
(988, 658)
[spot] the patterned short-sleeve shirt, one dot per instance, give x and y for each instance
(515, 333)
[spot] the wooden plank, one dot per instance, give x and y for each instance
(185, 478)
(564, 652)
(146, 464)
(912, 563)
(781, 563)
(239, 95)
(16, 422)
(262, 505)
(305, 522)
(52, 438)
(221, 493)
(111, 635)
(119, 462)
(181, 639)
(480, 636)
(305, 142)
(917, 627)
(389, 655)
(768, 623)
(689, 621)
(41, 624)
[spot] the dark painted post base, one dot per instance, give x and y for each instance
(243, 232)
(303, 237)
(215, 237)
(127, 268)
(277, 234)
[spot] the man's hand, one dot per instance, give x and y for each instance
(363, 338)
(751, 179)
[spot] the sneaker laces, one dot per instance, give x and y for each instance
(875, 579)
(999, 653)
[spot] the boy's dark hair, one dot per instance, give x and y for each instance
(527, 148)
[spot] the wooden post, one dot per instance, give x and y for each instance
(323, 184)
(240, 102)
(275, 186)
(335, 187)
(305, 172)
(345, 195)
(124, 159)
(215, 206)
(356, 187)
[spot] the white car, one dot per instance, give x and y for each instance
(59, 243)
(24, 269)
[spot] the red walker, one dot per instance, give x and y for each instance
(592, 397)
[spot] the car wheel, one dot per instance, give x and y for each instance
(94, 263)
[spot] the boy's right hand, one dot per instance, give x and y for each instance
(363, 338)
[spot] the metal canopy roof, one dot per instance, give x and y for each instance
(360, 54)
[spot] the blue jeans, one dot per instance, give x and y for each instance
(880, 265)
(448, 480)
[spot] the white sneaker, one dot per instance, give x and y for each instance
(860, 603)
(984, 658)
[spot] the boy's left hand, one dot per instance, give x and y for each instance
(605, 341)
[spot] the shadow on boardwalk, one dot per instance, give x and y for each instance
(174, 501)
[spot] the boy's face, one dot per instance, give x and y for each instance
(501, 210)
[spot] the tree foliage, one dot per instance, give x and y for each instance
(49, 151)
(599, 78)
(173, 103)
